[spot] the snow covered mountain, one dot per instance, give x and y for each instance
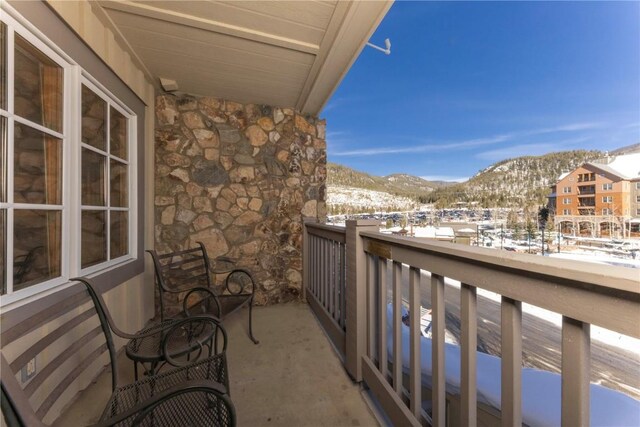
(349, 190)
(514, 182)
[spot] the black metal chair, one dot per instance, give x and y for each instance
(193, 394)
(189, 276)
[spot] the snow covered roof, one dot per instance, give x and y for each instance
(626, 166)
(444, 232)
(563, 176)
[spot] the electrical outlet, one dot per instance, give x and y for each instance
(29, 370)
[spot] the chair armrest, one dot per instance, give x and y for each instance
(151, 330)
(225, 259)
(211, 294)
(216, 268)
(191, 386)
(107, 322)
(240, 271)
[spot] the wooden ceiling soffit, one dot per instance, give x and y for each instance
(210, 25)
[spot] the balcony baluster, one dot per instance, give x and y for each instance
(511, 337)
(438, 392)
(469, 337)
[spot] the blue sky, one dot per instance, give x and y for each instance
(471, 83)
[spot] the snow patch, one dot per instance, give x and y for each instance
(605, 336)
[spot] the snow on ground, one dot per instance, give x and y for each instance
(598, 257)
(602, 335)
(541, 390)
(360, 198)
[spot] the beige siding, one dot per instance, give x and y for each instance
(95, 28)
(123, 302)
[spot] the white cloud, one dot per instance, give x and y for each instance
(425, 147)
(535, 149)
(336, 134)
(517, 151)
(476, 142)
(571, 127)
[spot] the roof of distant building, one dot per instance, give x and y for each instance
(625, 166)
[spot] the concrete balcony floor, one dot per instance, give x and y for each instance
(292, 378)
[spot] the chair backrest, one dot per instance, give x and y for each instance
(177, 272)
(65, 359)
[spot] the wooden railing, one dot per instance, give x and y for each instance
(584, 294)
(325, 277)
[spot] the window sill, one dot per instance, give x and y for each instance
(53, 286)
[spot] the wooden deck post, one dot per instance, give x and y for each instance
(576, 368)
(306, 250)
(356, 320)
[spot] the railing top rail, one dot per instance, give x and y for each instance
(329, 232)
(610, 277)
(601, 295)
(321, 226)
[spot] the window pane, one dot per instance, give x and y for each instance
(3, 66)
(119, 234)
(94, 117)
(3, 251)
(93, 179)
(118, 184)
(118, 134)
(94, 238)
(38, 167)
(38, 86)
(4, 147)
(37, 246)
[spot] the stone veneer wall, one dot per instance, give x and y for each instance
(241, 179)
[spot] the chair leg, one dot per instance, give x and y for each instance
(255, 341)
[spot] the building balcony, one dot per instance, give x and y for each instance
(368, 291)
(292, 378)
(586, 203)
(242, 168)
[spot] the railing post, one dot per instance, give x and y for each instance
(306, 250)
(511, 365)
(356, 292)
(438, 392)
(576, 368)
(469, 336)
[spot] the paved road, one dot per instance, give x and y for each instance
(611, 366)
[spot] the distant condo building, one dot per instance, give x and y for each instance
(600, 198)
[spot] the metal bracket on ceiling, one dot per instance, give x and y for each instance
(387, 44)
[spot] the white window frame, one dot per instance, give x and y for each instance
(566, 190)
(13, 27)
(73, 76)
(566, 201)
(607, 186)
(607, 199)
(566, 212)
(104, 94)
(606, 211)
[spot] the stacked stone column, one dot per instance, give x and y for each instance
(239, 178)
